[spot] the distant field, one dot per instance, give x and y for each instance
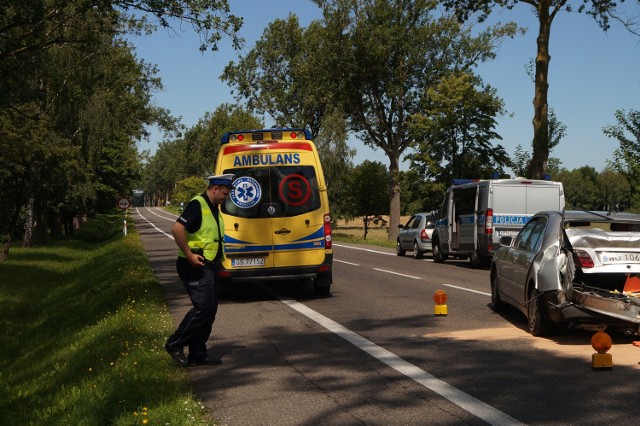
(353, 231)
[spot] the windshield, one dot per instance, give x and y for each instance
(262, 192)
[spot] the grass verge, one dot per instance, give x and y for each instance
(83, 328)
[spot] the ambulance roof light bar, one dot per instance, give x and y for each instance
(258, 135)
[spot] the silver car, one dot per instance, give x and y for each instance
(415, 235)
(571, 268)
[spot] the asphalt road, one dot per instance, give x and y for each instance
(374, 353)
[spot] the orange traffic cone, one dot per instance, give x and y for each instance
(632, 284)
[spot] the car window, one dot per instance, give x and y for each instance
(282, 191)
(410, 223)
(536, 236)
(522, 239)
(416, 223)
(431, 223)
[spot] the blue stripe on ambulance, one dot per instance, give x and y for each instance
(314, 240)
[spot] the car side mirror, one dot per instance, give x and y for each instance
(506, 240)
(400, 226)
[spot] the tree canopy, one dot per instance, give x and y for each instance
(602, 11)
(455, 128)
(388, 54)
(75, 101)
(626, 158)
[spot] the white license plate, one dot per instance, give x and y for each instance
(508, 232)
(610, 258)
(247, 261)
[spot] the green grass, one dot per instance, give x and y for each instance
(354, 234)
(83, 330)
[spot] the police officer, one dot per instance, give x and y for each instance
(199, 233)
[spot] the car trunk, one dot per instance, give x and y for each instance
(611, 298)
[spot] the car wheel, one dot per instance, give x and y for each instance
(417, 254)
(537, 316)
(322, 284)
(497, 305)
(474, 258)
(436, 251)
(399, 250)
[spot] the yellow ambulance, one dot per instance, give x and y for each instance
(277, 219)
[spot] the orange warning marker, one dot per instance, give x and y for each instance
(440, 299)
(632, 284)
(601, 360)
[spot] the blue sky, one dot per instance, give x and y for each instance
(592, 74)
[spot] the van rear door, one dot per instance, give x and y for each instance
(298, 233)
(515, 203)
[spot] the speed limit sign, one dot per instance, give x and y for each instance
(123, 203)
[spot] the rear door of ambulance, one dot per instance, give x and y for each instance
(298, 232)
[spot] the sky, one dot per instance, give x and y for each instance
(591, 75)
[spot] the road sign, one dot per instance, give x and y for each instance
(123, 203)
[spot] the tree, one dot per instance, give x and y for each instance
(202, 141)
(386, 55)
(614, 190)
(546, 11)
(367, 186)
(195, 154)
(626, 158)
(581, 188)
(335, 156)
(520, 161)
(40, 24)
(286, 76)
(188, 188)
(420, 194)
(454, 130)
(75, 100)
(163, 171)
(522, 158)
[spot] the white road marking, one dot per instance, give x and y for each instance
(397, 273)
(153, 212)
(147, 220)
(463, 400)
(344, 261)
(474, 406)
(365, 249)
(484, 293)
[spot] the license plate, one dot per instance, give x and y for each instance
(611, 258)
(247, 261)
(507, 232)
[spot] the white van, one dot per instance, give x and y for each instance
(476, 213)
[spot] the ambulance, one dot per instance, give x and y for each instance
(277, 218)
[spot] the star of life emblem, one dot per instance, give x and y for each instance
(246, 192)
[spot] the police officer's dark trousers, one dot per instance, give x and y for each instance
(195, 328)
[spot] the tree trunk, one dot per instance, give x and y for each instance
(6, 245)
(538, 165)
(394, 196)
(28, 224)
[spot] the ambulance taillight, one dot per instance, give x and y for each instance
(327, 231)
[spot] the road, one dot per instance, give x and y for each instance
(374, 353)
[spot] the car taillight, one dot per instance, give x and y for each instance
(584, 258)
(327, 231)
(488, 222)
(423, 235)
